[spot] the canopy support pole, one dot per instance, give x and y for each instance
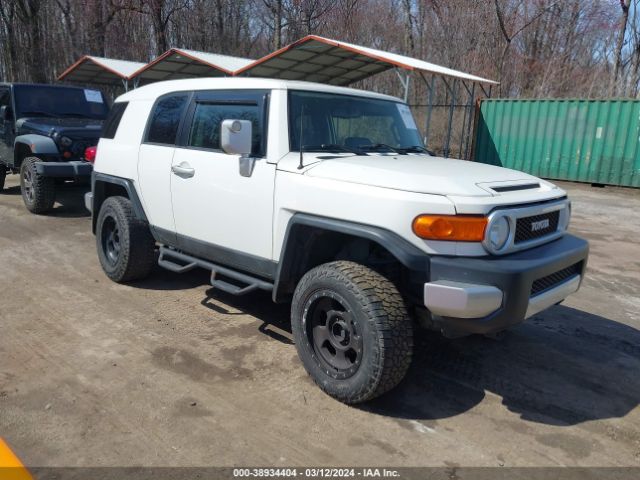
(471, 120)
(452, 105)
(464, 120)
(405, 84)
(431, 87)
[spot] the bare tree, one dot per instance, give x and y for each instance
(622, 29)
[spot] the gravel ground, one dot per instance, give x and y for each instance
(170, 372)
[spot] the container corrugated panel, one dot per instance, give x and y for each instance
(595, 141)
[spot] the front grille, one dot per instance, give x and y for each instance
(536, 226)
(545, 283)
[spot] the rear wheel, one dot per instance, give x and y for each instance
(352, 331)
(38, 192)
(126, 248)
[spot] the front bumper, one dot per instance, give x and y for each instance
(76, 168)
(489, 294)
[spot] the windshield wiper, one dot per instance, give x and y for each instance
(378, 146)
(77, 114)
(40, 112)
(331, 147)
(416, 149)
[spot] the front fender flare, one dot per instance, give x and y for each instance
(37, 144)
(407, 254)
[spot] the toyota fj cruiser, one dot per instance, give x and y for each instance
(44, 132)
(326, 197)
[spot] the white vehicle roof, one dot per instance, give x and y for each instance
(154, 90)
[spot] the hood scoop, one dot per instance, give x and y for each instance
(514, 188)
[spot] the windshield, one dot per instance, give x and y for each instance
(329, 121)
(43, 101)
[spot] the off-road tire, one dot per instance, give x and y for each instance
(38, 192)
(3, 176)
(380, 318)
(136, 246)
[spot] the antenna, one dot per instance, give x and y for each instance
(300, 165)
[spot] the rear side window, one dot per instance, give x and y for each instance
(207, 117)
(110, 126)
(165, 119)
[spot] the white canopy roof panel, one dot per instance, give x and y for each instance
(180, 63)
(100, 70)
(319, 59)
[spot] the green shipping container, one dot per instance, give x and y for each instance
(595, 141)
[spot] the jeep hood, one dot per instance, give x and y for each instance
(72, 127)
(420, 174)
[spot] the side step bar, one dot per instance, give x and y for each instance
(187, 263)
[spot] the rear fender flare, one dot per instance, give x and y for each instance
(100, 183)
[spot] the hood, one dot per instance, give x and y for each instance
(72, 127)
(420, 174)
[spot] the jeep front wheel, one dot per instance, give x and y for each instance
(126, 248)
(352, 331)
(38, 192)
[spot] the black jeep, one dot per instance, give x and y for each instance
(44, 132)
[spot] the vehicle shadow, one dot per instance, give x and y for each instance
(15, 190)
(69, 201)
(162, 279)
(274, 317)
(562, 367)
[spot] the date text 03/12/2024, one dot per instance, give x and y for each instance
(316, 472)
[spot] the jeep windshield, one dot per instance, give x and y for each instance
(351, 124)
(59, 102)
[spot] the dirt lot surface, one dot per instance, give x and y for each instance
(170, 372)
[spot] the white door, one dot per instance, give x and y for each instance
(218, 212)
(154, 177)
(155, 157)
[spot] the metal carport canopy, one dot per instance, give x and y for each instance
(178, 63)
(101, 71)
(323, 60)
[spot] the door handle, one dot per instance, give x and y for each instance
(183, 170)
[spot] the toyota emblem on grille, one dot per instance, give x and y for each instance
(540, 225)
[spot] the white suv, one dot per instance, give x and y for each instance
(362, 229)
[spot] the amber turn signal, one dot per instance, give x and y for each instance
(460, 228)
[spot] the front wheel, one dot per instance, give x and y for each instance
(352, 331)
(3, 176)
(126, 248)
(38, 192)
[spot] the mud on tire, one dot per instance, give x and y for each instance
(126, 248)
(38, 192)
(352, 331)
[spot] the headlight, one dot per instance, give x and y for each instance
(65, 141)
(498, 233)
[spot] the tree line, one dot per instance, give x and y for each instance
(535, 48)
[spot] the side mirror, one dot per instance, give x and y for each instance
(236, 137)
(5, 113)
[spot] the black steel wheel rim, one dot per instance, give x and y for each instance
(27, 184)
(110, 238)
(333, 334)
